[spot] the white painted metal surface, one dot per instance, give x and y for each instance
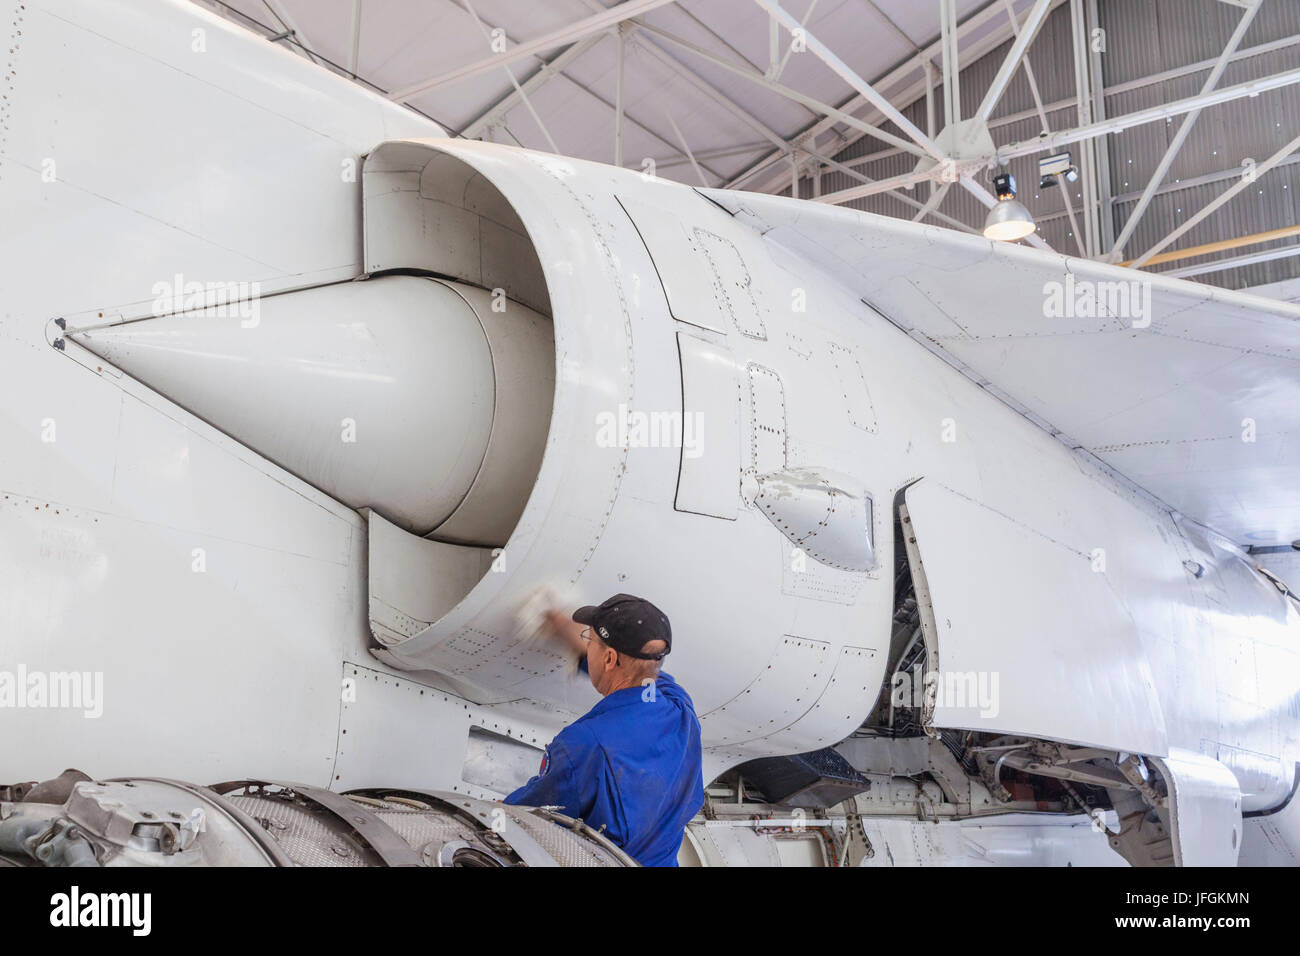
(215, 593)
(413, 581)
(334, 384)
(225, 600)
(1000, 592)
(443, 216)
(1205, 809)
(827, 516)
(1188, 390)
(523, 372)
(1272, 838)
(589, 514)
(709, 480)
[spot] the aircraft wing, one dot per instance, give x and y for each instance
(1189, 391)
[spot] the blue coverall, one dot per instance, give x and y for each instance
(632, 765)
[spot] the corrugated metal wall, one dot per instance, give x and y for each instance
(1143, 38)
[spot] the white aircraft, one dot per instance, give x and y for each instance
(307, 411)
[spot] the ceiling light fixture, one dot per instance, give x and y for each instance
(1008, 220)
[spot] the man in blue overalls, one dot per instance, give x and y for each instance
(631, 766)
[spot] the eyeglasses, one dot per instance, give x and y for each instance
(586, 634)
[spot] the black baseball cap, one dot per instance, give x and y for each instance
(627, 623)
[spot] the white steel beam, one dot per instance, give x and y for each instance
(554, 67)
(1116, 124)
(722, 40)
(1224, 197)
(756, 77)
(355, 47)
(1221, 265)
(1189, 182)
(1087, 170)
(724, 152)
(649, 48)
(842, 69)
(918, 91)
(780, 67)
(1162, 169)
(1054, 141)
(929, 98)
(904, 181)
(652, 50)
(1105, 204)
(994, 33)
(704, 180)
(953, 40)
(1029, 70)
(901, 197)
(1074, 224)
(523, 95)
(949, 62)
(495, 116)
(618, 98)
(937, 195)
(596, 23)
(1026, 34)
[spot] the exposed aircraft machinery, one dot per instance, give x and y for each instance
(74, 821)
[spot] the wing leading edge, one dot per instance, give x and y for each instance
(1189, 391)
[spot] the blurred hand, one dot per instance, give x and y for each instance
(562, 625)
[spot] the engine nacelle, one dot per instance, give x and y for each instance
(75, 821)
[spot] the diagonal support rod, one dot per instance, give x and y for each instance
(1028, 30)
(756, 77)
(842, 69)
(596, 23)
(1184, 128)
(1223, 198)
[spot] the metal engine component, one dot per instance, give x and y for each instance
(155, 822)
(436, 375)
(820, 779)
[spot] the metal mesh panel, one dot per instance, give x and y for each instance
(422, 827)
(312, 837)
(309, 838)
(568, 848)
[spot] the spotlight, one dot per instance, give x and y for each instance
(1008, 220)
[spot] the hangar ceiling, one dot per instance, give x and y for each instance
(1180, 116)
